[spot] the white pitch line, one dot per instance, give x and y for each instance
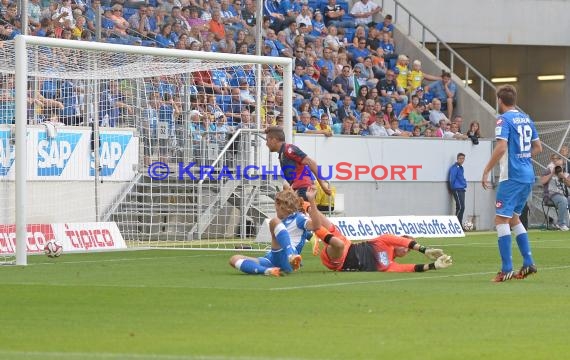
(124, 259)
(401, 279)
(123, 356)
(493, 243)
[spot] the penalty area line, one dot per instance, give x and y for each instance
(414, 278)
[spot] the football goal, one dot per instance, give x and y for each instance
(106, 146)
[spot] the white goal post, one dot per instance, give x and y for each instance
(37, 58)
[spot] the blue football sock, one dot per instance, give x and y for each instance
(251, 267)
(523, 243)
(504, 242)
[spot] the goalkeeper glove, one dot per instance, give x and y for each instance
(433, 254)
(443, 262)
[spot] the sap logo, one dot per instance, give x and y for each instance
(111, 150)
(54, 154)
(7, 153)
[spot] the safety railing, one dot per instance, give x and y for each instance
(470, 76)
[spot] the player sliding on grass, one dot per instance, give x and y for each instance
(289, 231)
(340, 254)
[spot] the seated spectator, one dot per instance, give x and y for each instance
(415, 117)
(435, 114)
(347, 110)
(304, 124)
(319, 29)
(248, 16)
(347, 125)
(325, 82)
(474, 132)
(8, 33)
(34, 15)
(389, 89)
(360, 128)
(360, 52)
(417, 131)
(329, 107)
(64, 12)
(401, 70)
(556, 182)
(454, 133)
(409, 108)
(79, 28)
(386, 26)
(333, 15)
(359, 32)
(445, 90)
(290, 33)
(216, 26)
(378, 128)
(342, 83)
(442, 127)
(365, 73)
(396, 131)
(363, 11)
(140, 22)
(324, 125)
(387, 46)
(416, 77)
(274, 16)
(332, 40)
(429, 132)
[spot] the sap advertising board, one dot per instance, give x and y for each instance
(69, 155)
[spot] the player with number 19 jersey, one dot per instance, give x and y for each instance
(519, 131)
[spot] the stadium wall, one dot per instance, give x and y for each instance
(513, 22)
(427, 195)
(521, 45)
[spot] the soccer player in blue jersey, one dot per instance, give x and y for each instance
(289, 232)
(517, 142)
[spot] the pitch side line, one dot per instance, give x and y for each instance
(122, 356)
(401, 279)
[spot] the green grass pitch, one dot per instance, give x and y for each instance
(191, 305)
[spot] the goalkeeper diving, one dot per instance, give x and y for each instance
(378, 254)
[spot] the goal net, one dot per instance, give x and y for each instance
(127, 146)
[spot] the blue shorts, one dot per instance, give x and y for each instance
(511, 198)
(277, 258)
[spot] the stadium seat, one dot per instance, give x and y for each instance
(314, 4)
(398, 107)
(349, 34)
(405, 124)
(547, 205)
(344, 5)
(127, 12)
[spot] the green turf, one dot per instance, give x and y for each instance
(191, 305)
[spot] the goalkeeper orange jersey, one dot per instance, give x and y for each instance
(384, 247)
(333, 264)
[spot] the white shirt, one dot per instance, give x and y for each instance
(360, 8)
(377, 130)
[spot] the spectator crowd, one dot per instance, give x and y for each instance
(349, 77)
